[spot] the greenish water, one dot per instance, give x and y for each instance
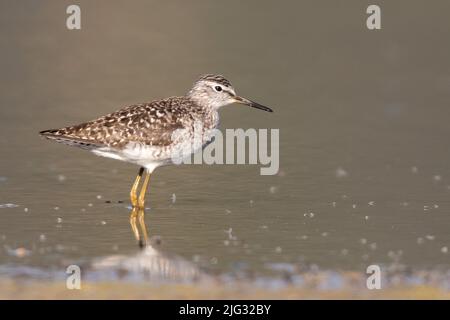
(363, 119)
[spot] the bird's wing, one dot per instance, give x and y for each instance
(150, 123)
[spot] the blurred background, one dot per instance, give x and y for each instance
(363, 116)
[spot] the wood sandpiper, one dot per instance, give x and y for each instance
(143, 133)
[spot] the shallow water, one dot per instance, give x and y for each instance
(363, 116)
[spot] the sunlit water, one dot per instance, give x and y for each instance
(363, 118)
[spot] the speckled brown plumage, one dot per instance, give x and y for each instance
(217, 79)
(150, 124)
(159, 132)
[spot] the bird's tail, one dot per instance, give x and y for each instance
(59, 136)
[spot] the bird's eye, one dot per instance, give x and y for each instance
(218, 88)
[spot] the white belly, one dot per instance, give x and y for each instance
(151, 157)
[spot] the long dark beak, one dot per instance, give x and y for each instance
(251, 104)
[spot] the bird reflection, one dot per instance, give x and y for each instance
(139, 231)
(149, 263)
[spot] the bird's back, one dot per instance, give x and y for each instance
(149, 124)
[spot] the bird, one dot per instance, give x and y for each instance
(144, 134)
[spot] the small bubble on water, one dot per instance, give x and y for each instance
(90, 205)
(437, 178)
(251, 203)
(56, 208)
(366, 217)
(25, 209)
(214, 260)
(373, 246)
(42, 238)
(333, 203)
(8, 205)
(83, 210)
(363, 241)
(414, 169)
(273, 189)
(444, 250)
(59, 220)
(174, 198)
(61, 177)
(420, 240)
(324, 234)
(227, 211)
(430, 237)
(99, 196)
(435, 206)
(103, 222)
(344, 252)
(309, 214)
(341, 173)
(354, 206)
(226, 242)
(371, 203)
(278, 250)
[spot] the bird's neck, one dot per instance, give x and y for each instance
(206, 113)
(201, 102)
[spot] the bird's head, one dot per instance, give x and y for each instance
(214, 91)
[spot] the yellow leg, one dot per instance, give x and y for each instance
(140, 233)
(133, 192)
(141, 200)
(144, 239)
(134, 228)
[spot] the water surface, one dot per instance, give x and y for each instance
(363, 116)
